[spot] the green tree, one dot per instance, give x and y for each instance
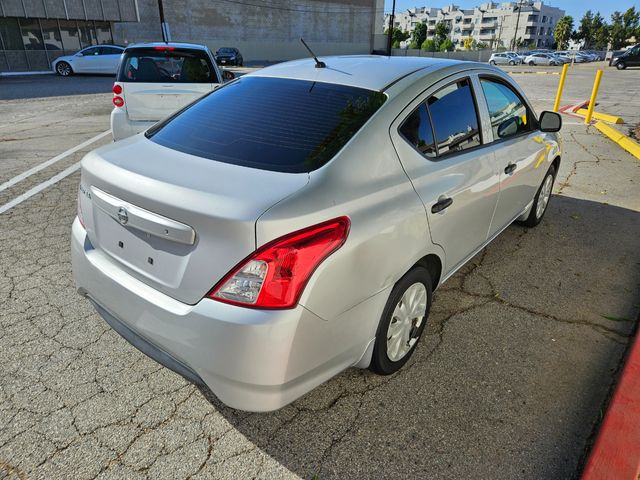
(419, 35)
(593, 30)
(446, 46)
(397, 36)
(429, 45)
(624, 26)
(481, 46)
(562, 31)
(442, 30)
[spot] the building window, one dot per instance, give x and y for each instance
(10, 34)
(87, 34)
(70, 35)
(544, 19)
(31, 34)
(51, 35)
(103, 32)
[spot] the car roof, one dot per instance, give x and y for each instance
(372, 72)
(193, 46)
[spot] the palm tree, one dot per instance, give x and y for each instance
(563, 30)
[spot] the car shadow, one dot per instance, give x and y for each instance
(510, 379)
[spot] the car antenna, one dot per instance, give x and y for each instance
(319, 64)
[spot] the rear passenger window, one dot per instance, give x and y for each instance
(418, 132)
(160, 65)
(508, 113)
(454, 118)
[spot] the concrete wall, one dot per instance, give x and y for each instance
(109, 10)
(261, 33)
(472, 55)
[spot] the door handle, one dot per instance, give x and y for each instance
(509, 169)
(441, 205)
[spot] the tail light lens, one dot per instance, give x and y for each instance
(274, 276)
(117, 89)
(80, 217)
(118, 101)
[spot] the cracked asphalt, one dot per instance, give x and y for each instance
(510, 379)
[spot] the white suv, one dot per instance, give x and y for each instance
(156, 79)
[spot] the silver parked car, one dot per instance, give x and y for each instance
(542, 59)
(97, 59)
(295, 221)
(503, 59)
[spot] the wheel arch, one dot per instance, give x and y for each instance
(433, 264)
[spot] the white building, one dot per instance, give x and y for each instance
(491, 23)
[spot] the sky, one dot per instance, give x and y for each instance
(575, 8)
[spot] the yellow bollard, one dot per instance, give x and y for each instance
(594, 94)
(563, 75)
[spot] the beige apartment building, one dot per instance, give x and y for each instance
(496, 24)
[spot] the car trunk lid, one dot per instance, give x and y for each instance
(175, 221)
(155, 101)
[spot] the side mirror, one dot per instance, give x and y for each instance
(227, 75)
(508, 128)
(550, 121)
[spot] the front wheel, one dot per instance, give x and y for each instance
(511, 62)
(620, 66)
(63, 69)
(531, 63)
(403, 320)
(541, 200)
(492, 62)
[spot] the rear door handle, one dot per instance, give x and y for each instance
(441, 205)
(509, 169)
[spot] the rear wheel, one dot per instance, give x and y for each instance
(531, 63)
(64, 69)
(620, 66)
(403, 320)
(541, 200)
(492, 62)
(511, 62)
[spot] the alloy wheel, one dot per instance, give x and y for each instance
(545, 195)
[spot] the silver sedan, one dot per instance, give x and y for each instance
(296, 221)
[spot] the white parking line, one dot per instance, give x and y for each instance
(51, 161)
(38, 188)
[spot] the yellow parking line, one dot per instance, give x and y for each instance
(620, 138)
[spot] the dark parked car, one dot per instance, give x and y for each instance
(229, 56)
(630, 58)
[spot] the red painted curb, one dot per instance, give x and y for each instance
(616, 453)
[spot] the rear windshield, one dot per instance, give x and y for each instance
(270, 123)
(151, 65)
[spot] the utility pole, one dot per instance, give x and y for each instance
(391, 20)
(166, 35)
(519, 7)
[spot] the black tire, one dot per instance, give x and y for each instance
(531, 63)
(534, 219)
(64, 69)
(511, 62)
(380, 361)
(620, 66)
(492, 62)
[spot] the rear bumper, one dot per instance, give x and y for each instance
(252, 360)
(122, 127)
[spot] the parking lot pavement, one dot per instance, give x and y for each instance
(510, 379)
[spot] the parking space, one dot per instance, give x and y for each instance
(510, 380)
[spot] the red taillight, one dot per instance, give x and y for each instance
(118, 101)
(117, 89)
(164, 48)
(275, 275)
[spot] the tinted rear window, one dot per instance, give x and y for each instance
(270, 123)
(150, 65)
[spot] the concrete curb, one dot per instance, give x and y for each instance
(19, 74)
(630, 146)
(601, 116)
(616, 453)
